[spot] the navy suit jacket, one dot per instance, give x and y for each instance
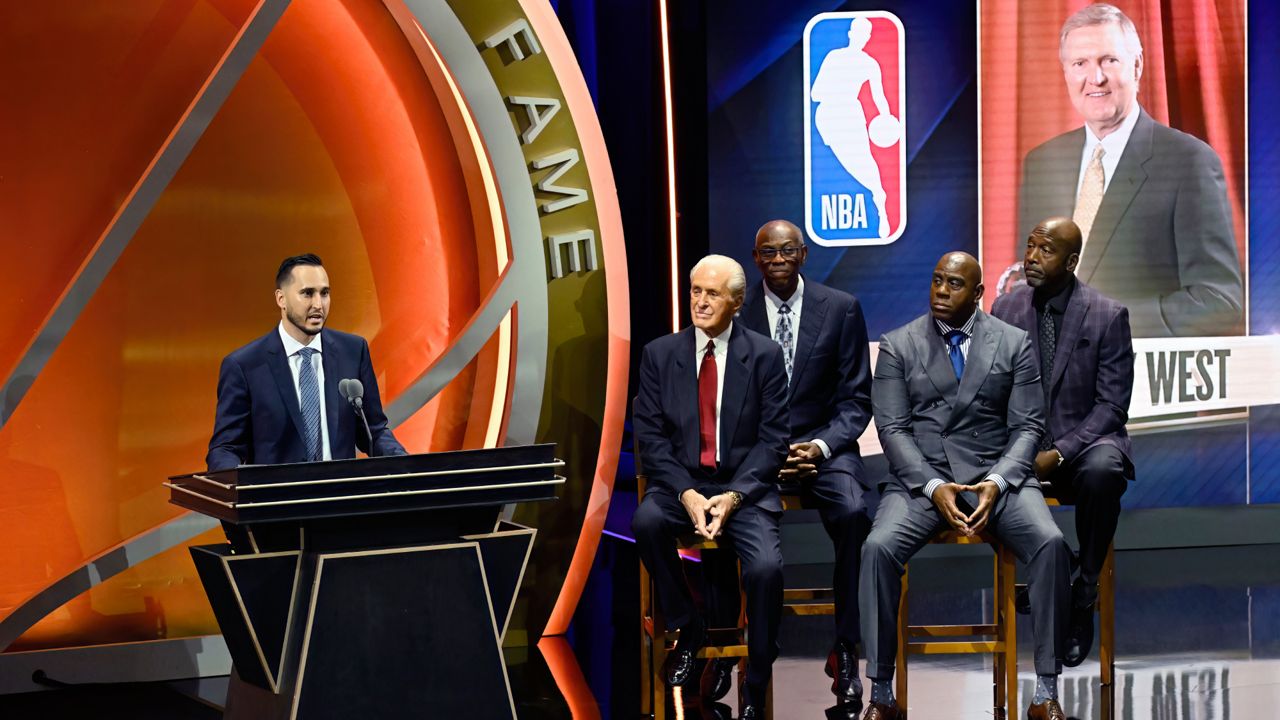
(1092, 368)
(1163, 243)
(259, 422)
(830, 392)
(752, 432)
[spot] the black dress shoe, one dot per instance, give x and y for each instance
(846, 683)
(717, 679)
(751, 712)
(679, 665)
(1084, 596)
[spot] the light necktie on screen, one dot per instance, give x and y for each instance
(785, 337)
(309, 400)
(707, 381)
(1091, 190)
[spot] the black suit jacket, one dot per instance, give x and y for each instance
(1163, 242)
(932, 426)
(259, 422)
(830, 392)
(1092, 379)
(752, 432)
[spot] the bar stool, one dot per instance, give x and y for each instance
(1000, 637)
(656, 641)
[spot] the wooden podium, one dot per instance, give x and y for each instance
(369, 588)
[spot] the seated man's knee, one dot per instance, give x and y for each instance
(647, 521)
(767, 568)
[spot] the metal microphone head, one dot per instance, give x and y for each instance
(355, 389)
(344, 389)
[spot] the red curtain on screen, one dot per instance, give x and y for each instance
(1193, 80)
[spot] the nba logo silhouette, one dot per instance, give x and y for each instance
(855, 157)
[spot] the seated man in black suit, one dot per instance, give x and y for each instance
(958, 405)
(279, 403)
(1085, 356)
(824, 346)
(711, 421)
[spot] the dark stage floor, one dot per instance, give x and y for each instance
(1198, 638)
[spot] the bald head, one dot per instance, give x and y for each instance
(779, 253)
(1052, 252)
(956, 289)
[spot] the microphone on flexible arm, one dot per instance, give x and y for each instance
(353, 390)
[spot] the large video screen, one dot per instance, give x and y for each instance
(894, 132)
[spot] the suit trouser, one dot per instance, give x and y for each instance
(843, 505)
(905, 522)
(1098, 477)
(753, 534)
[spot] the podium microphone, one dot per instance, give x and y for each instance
(353, 391)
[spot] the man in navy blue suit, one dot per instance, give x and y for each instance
(825, 351)
(1082, 343)
(279, 403)
(711, 421)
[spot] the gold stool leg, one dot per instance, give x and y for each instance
(1009, 626)
(1107, 633)
(901, 659)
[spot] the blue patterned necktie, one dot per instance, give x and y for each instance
(784, 337)
(955, 339)
(309, 400)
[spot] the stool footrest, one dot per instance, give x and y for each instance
(951, 630)
(956, 647)
(807, 609)
(808, 594)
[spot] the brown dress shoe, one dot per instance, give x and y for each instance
(876, 711)
(1047, 710)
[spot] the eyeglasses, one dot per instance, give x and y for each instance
(790, 252)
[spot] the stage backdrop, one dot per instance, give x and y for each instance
(158, 159)
(974, 86)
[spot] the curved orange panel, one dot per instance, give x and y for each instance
(333, 142)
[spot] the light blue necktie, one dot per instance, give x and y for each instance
(309, 400)
(955, 339)
(784, 337)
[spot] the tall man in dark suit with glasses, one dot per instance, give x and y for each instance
(958, 405)
(824, 344)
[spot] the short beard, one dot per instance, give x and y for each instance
(300, 322)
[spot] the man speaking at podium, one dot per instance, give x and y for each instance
(278, 399)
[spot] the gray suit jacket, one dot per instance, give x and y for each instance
(932, 426)
(1163, 242)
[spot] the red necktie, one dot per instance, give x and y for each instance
(707, 377)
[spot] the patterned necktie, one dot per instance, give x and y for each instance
(1091, 190)
(955, 339)
(784, 337)
(707, 381)
(309, 400)
(1048, 346)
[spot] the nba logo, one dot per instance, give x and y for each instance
(855, 156)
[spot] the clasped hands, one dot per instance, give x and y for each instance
(802, 461)
(944, 498)
(708, 514)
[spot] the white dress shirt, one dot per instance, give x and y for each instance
(1113, 145)
(721, 341)
(291, 348)
(967, 329)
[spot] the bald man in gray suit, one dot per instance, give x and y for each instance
(960, 411)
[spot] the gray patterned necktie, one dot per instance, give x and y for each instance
(309, 400)
(784, 337)
(1048, 347)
